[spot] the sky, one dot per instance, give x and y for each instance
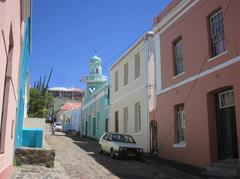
(66, 33)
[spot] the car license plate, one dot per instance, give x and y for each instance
(130, 154)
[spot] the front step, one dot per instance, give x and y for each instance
(224, 168)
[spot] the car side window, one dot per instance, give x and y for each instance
(110, 137)
(105, 137)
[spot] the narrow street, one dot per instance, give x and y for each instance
(80, 159)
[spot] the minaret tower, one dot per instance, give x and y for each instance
(95, 77)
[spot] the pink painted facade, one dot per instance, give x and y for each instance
(189, 21)
(11, 37)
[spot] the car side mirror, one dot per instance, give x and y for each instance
(109, 139)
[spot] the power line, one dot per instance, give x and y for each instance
(194, 82)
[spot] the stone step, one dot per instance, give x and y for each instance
(230, 161)
(223, 171)
(226, 165)
(213, 174)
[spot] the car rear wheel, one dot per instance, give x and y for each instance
(100, 149)
(112, 154)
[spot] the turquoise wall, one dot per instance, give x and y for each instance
(22, 83)
(94, 116)
(33, 137)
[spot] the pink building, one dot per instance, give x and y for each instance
(197, 75)
(12, 15)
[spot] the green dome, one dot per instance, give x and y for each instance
(95, 59)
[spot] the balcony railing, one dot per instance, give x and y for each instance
(94, 78)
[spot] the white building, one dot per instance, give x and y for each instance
(129, 98)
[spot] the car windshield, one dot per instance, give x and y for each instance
(58, 124)
(123, 138)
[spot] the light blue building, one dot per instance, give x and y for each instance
(22, 82)
(95, 105)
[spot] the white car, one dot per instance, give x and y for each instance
(57, 126)
(119, 145)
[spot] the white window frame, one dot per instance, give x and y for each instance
(116, 81)
(138, 118)
(216, 31)
(125, 120)
(125, 71)
(116, 117)
(181, 124)
(231, 100)
(137, 65)
(177, 43)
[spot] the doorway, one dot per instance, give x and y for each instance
(153, 135)
(94, 126)
(86, 128)
(226, 125)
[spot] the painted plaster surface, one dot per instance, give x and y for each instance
(95, 106)
(217, 73)
(9, 18)
(127, 96)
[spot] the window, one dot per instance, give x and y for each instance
(106, 125)
(94, 126)
(180, 123)
(226, 99)
(116, 121)
(178, 56)
(137, 65)
(217, 33)
(98, 114)
(105, 137)
(125, 74)
(125, 120)
(137, 117)
(116, 80)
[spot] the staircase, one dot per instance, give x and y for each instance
(229, 168)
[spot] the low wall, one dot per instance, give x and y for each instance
(35, 123)
(32, 137)
(35, 156)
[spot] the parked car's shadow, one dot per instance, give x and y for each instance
(123, 167)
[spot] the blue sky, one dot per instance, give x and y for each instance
(65, 34)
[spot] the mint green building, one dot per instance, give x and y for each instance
(95, 105)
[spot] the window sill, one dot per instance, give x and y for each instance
(180, 74)
(179, 145)
(213, 58)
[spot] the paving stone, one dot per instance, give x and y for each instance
(79, 159)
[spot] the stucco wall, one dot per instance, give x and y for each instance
(98, 103)
(9, 16)
(35, 123)
(74, 116)
(217, 73)
(126, 96)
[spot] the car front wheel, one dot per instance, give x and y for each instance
(100, 149)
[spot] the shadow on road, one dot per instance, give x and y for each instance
(127, 168)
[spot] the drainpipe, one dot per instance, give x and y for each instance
(147, 36)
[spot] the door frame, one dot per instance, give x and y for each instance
(219, 112)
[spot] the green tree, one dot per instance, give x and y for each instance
(39, 103)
